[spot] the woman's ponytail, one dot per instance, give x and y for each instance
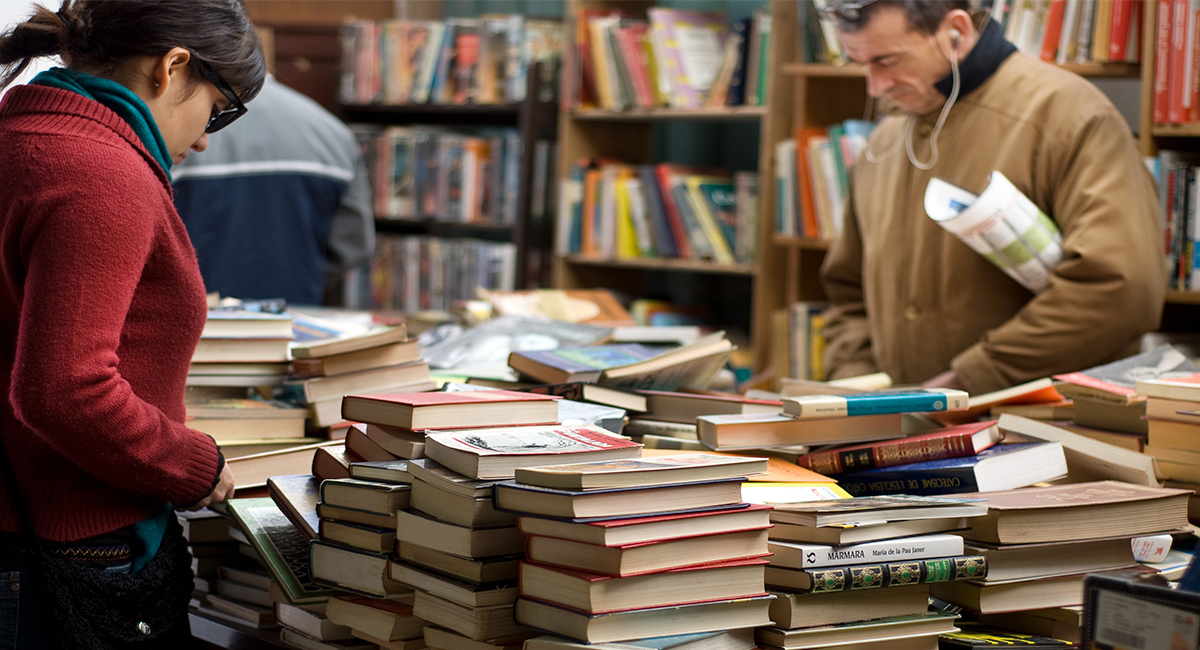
(46, 33)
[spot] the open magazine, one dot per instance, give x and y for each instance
(1002, 225)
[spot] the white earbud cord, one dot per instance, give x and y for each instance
(911, 121)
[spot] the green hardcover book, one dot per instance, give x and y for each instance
(880, 575)
(283, 549)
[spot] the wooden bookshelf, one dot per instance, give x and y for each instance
(1183, 298)
(755, 290)
(802, 243)
(661, 264)
(736, 113)
(535, 120)
(1113, 70)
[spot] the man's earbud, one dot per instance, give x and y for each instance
(954, 36)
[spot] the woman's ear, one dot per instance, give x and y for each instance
(169, 68)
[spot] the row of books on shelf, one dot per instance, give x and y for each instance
(1176, 71)
(434, 173)
(812, 177)
(1060, 31)
(457, 61)
(618, 210)
(417, 273)
(1177, 194)
(671, 57)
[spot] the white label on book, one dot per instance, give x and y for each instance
(1128, 623)
(701, 54)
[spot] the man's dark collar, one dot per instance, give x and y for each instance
(989, 52)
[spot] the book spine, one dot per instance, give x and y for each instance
(1122, 14)
(816, 556)
(889, 454)
(919, 483)
(1162, 56)
(861, 577)
(1054, 28)
(831, 406)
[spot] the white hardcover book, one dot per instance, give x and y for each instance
(806, 556)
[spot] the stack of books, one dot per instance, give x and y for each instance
(245, 426)
(378, 360)
(632, 549)
(211, 545)
(1173, 427)
(822, 419)
(861, 569)
(1106, 396)
(962, 458)
(241, 348)
(454, 547)
(1040, 542)
(669, 420)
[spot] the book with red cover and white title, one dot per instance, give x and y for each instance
(954, 442)
(497, 452)
(454, 410)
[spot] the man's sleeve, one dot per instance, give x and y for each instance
(1109, 288)
(352, 232)
(847, 335)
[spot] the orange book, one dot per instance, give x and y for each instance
(808, 207)
(1054, 25)
(591, 180)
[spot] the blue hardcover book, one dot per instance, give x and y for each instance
(664, 240)
(1002, 467)
(877, 403)
(737, 85)
(577, 364)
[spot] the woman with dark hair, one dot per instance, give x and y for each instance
(101, 306)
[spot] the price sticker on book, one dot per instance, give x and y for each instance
(1127, 623)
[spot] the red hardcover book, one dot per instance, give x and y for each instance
(1054, 25)
(633, 54)
(437, 410)
(1177, 82)
(1122, 16)
(1162, 61)
(955, 442)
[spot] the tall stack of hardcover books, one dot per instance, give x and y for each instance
(454, 547)
(859, 570)
(379, 360)
(1040, 542)
(632, 549)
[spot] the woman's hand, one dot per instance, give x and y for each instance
(222, 492)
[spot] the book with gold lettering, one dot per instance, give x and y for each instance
(877, 575)
(1000, 467)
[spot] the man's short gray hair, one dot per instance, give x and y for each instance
(923, 15)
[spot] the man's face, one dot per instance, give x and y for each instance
(902, 63)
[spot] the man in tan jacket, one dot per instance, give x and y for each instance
(909, 298)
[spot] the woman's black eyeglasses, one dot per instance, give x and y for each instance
(235, 109)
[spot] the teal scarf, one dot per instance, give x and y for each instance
(117, 98)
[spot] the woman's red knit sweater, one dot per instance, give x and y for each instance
(101, 306)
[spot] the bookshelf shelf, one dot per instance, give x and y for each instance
(748, 113)
(661, 264)
(1183, 298)
(486, 231)
(465, 114)
(802, 243)
(1176, 130)
(1129, 70)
